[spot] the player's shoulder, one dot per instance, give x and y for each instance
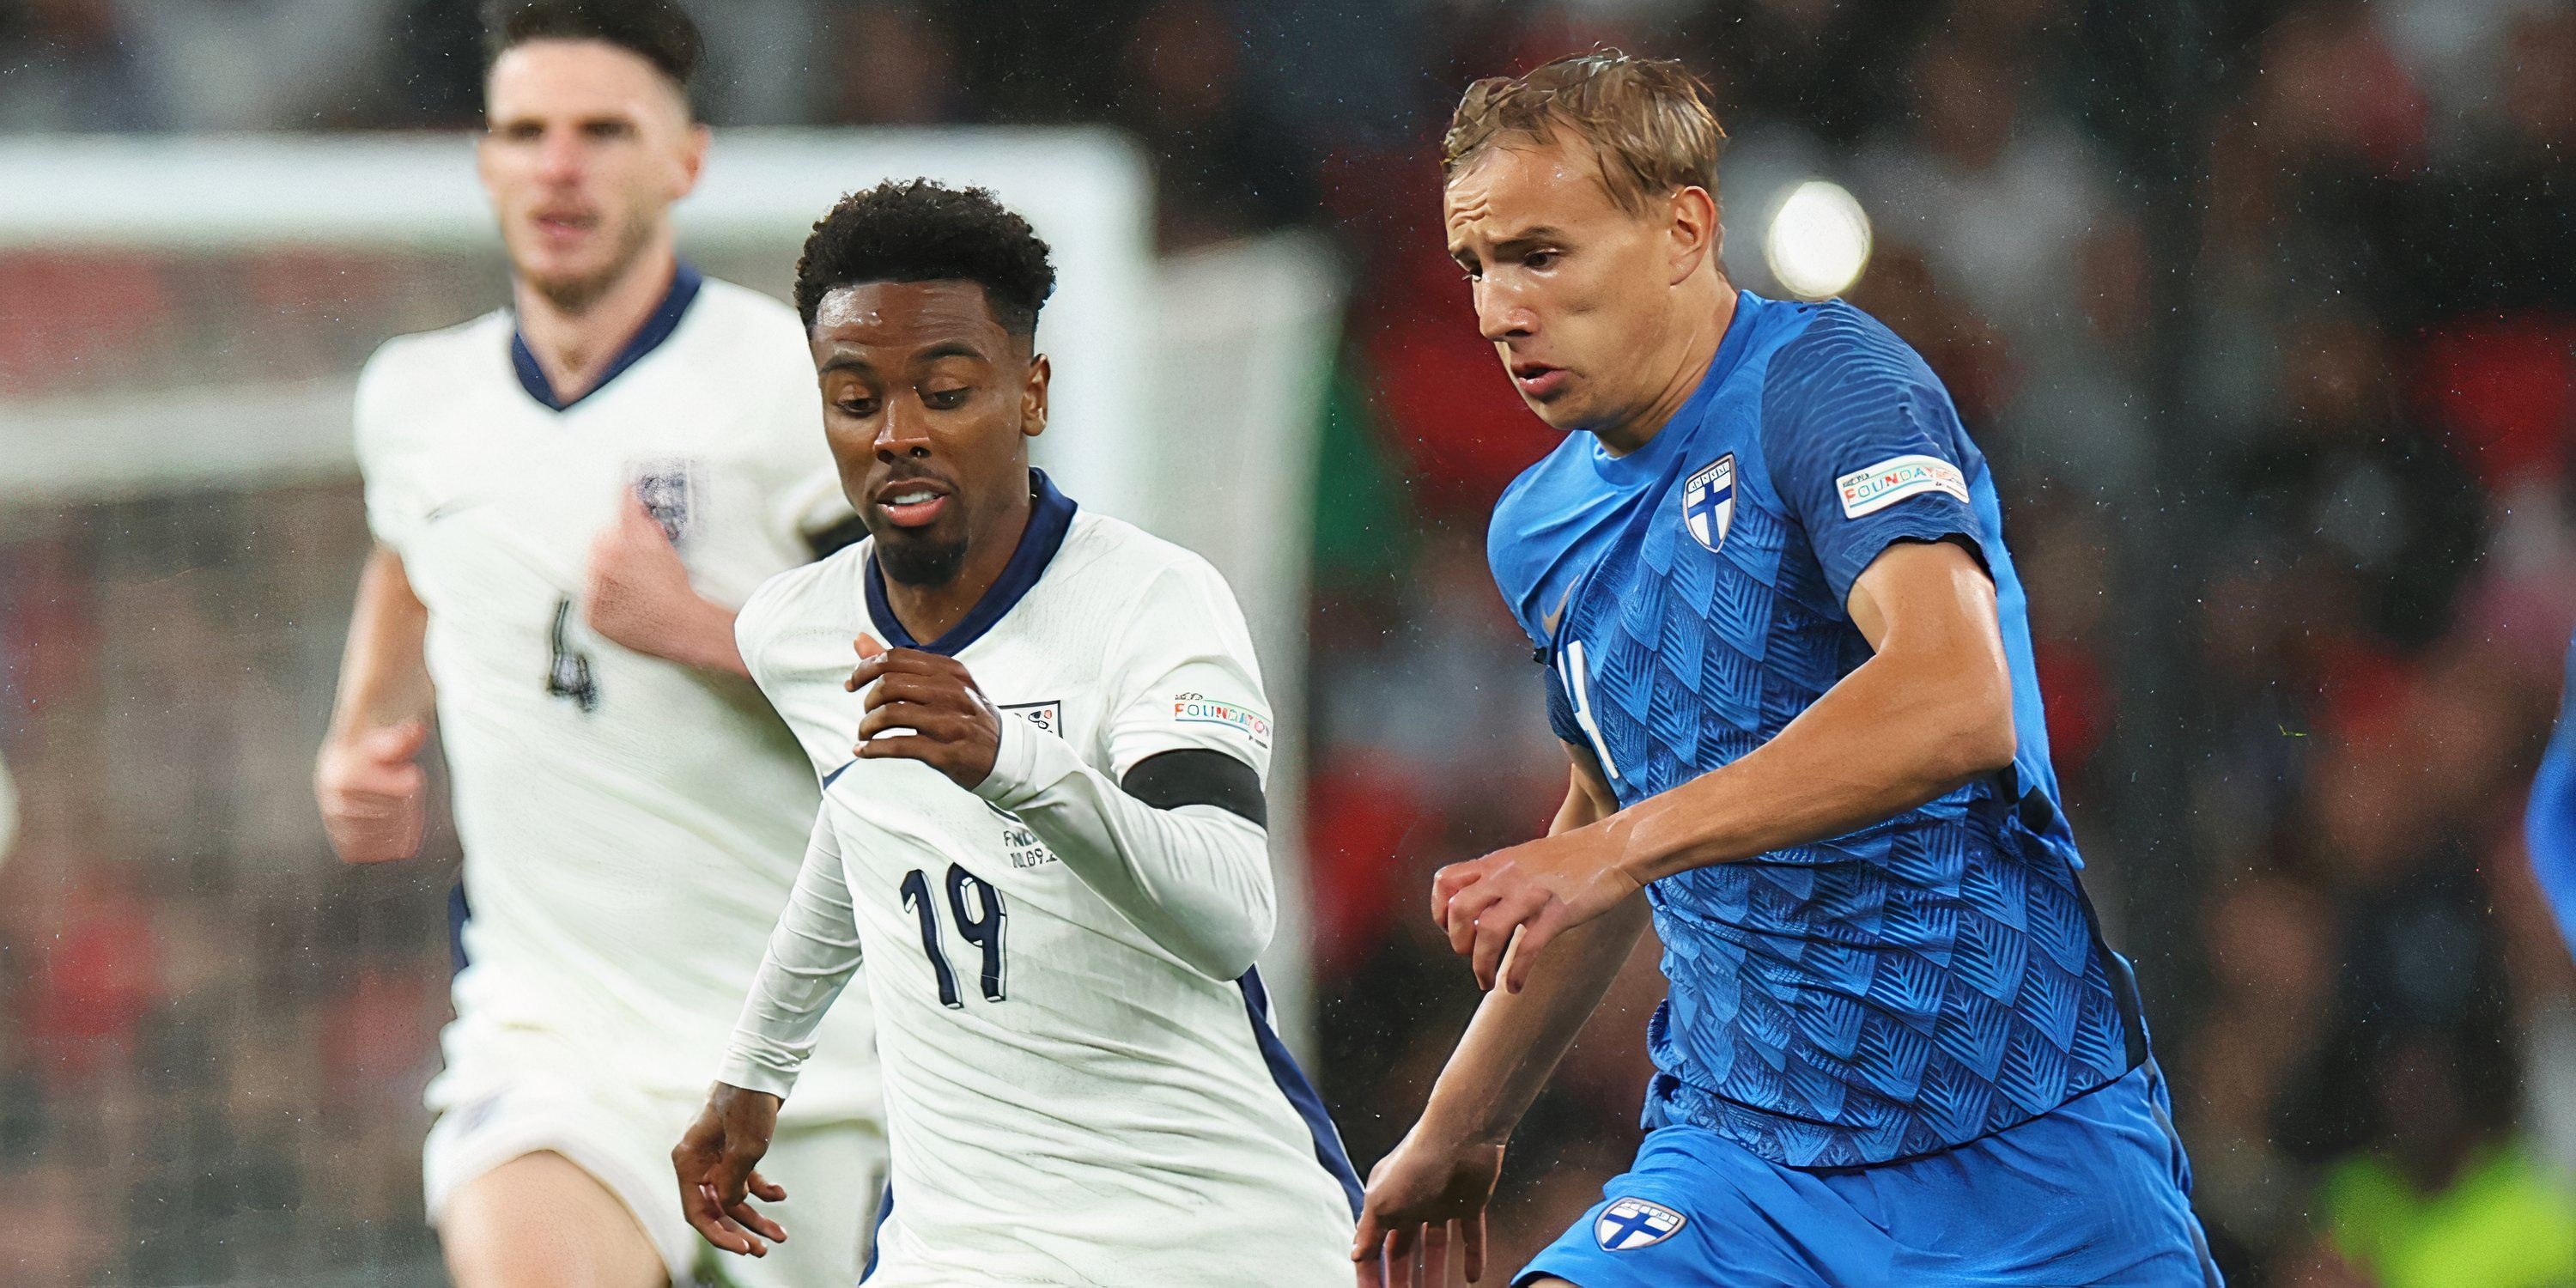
(440, 355)
(1108, 557)
(743, 312)
(1839, 343)
(1543, 499)
(808, 596)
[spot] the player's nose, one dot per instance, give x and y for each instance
(559, 157)
(904, 430)
(1501, 315)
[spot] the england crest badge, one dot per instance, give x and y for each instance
(1630, 1224)
(1708, 501)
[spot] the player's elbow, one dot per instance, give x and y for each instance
(1229, 945)
(1979, 737)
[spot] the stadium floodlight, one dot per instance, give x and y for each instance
(1817, 242)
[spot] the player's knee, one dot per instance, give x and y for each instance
(540, 1221)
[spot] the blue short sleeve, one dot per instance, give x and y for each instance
(1865, 447)
(1560, 711)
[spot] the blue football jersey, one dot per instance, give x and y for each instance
(2549, 821)
(1899, 990)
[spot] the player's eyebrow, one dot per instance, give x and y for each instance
(950, 349)
(847, 362)
(1527, 238)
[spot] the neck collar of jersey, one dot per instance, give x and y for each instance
(1050, 517)
(1648, 462)
(657, 328)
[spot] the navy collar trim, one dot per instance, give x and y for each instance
(657, 328)
(1050, 517)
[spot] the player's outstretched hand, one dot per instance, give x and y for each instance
(1537, 890)
(714, 1162)
(370, 792)
(951, 726)
(1423, 1197)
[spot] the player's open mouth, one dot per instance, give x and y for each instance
(563, 225)
(1539, 380)
(910, 503)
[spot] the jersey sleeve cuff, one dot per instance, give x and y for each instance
(755, 1070)
(1025, 765)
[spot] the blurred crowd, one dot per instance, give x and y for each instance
(2262, 309)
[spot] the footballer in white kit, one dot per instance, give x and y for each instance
(1082, 1084)
(630, 808)
(629, 825)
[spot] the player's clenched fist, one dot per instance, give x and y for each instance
(370, 791)
(953, 727)
(714, 1161)
(1539, 889)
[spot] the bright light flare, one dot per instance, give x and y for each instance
(1818, 241)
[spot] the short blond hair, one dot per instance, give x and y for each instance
(1647, 119)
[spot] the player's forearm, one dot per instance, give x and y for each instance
(1196, 878)
(812, 954)
(700, 635)
(1513, 1045)
(384, 677)
(1898, 731)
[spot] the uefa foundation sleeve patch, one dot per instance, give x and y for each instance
(1198, 708)
(1890, 481)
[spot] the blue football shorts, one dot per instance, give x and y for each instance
(2096, 1191)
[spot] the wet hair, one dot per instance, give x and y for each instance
(657, 31)
(1647, 119)
(920, 231)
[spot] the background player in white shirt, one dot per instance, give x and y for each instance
(564, 512)
(1042, 816)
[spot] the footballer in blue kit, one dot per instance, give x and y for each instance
(1787, 651)
(2549, 821)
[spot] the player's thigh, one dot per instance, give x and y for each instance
(834, 1175)
(540, 1221)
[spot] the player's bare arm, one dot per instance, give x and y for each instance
(1931, 709)
(1430, 1192)
(715, 1161)
(365, 778)
(638, 595)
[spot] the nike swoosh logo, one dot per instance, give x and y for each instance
(448, 510)
(1549, 620)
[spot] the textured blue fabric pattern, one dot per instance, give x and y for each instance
(2549, 821)
(1890, 993)
(2096, 1193)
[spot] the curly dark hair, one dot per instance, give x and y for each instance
(920, 231)
(657, 31)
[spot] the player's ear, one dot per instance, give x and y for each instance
(1694, 232)
(692, 158)
(1033, 397)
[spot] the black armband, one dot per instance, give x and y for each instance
(1197, 776)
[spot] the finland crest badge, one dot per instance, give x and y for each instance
(1630, 1224)
(1708, 501)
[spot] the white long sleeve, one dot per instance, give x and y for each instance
(1196, 878)
(812, 955)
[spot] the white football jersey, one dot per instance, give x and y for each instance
(1067, 1101)
(631, 826)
